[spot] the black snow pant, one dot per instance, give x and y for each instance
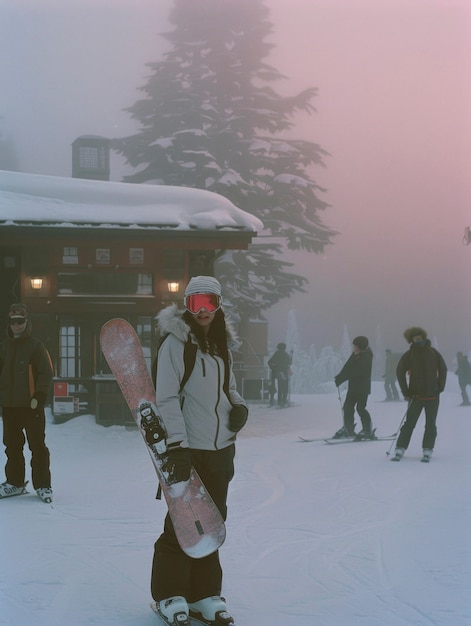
(16, 422)
(464, 393)
(391, 390)
(356, 400)
(283, 387)
(174, 573)
(430, 406)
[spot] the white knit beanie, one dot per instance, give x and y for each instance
(203, 284)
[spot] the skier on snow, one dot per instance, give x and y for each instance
(421, 374)
(357, 370)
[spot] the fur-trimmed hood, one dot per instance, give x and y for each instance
(412, 332)
(170, 321)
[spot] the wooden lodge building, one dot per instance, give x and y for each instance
(79, 252)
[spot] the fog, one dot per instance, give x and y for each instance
(393, 111)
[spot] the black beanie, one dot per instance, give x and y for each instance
(360, 342)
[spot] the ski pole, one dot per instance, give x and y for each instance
(341, 405)
(399, 428)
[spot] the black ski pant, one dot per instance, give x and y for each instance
(283, 386)
(174, 573)
(464, 393)
(430, 406)
(391, 390)
(18, 421)
(356, 400)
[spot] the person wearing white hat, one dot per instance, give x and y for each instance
(202, 419)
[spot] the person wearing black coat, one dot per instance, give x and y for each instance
(390, 375)
(25, 380)
(357, 370)
(421, 374)
(463, 372)
(280, 364)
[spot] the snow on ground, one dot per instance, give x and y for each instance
(318, 535)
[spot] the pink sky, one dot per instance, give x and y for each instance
(394, 110)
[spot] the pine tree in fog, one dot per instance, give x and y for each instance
(209, 118)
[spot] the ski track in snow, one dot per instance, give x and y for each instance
(317, 535)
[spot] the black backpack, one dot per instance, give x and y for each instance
(189, 358)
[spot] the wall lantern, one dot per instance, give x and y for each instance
(173, 286)
(36, 283)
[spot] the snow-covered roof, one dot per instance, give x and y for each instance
(36, 200)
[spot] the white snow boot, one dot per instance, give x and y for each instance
(213, 610)
(7, 490)
(427, 453)
(399, 453)
(45, 493)
(174, 610)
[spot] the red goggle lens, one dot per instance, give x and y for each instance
(197, 301)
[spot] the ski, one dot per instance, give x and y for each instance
(197, 522)
(354, 440)
(304, 440)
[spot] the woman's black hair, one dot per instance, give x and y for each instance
(214, 341)
(216, 336)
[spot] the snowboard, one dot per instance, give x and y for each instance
(193, 621)
(198, 524)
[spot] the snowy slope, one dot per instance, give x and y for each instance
(317, 535)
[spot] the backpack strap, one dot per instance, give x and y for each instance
(189, 359)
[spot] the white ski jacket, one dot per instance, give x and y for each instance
(198, 415)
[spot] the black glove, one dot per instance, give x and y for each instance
(38, 400)
(238, 417)
(178, 464)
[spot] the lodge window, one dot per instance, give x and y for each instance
(69, 349)
(136, 256)
(103, 256)
(70, 255)
(104, 283)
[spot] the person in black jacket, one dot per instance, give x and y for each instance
(25, 379)
(390, 376)
(357, 370)
(463, 372)
(421, 374)
(280, 364)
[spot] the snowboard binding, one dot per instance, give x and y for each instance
(154, 432)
